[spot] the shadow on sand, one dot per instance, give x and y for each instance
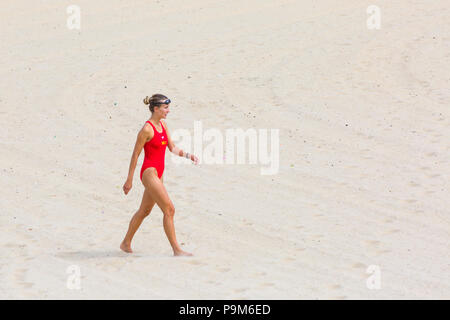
(80, 255)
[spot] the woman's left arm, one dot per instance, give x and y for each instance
(175, 150)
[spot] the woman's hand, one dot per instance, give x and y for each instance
(127, 186)
(194, 159)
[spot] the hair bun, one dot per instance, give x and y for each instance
(147, 100)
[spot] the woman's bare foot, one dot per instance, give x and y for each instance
(126, 247)
(181, 253)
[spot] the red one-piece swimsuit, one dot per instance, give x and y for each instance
(155, 150)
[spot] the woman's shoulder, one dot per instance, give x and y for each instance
(147, 128)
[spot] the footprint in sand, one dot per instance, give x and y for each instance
(267, 284)
(12, 245)
(19, 277)
(359, 265)
(373, 243)
(20, 274)
(383, 251)
(335, 287)
(223, 269)
(289, 259)
(318, 215)
(26, 285)
(196, 262)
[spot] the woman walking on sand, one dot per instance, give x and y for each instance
(154, 137)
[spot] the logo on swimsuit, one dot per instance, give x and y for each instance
(163, 143)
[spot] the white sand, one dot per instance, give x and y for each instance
(364, 149)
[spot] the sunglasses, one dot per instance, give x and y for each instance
(167, 101)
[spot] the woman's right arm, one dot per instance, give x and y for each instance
(143, 136)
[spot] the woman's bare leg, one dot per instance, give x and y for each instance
(147, 204)
(160, 196)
